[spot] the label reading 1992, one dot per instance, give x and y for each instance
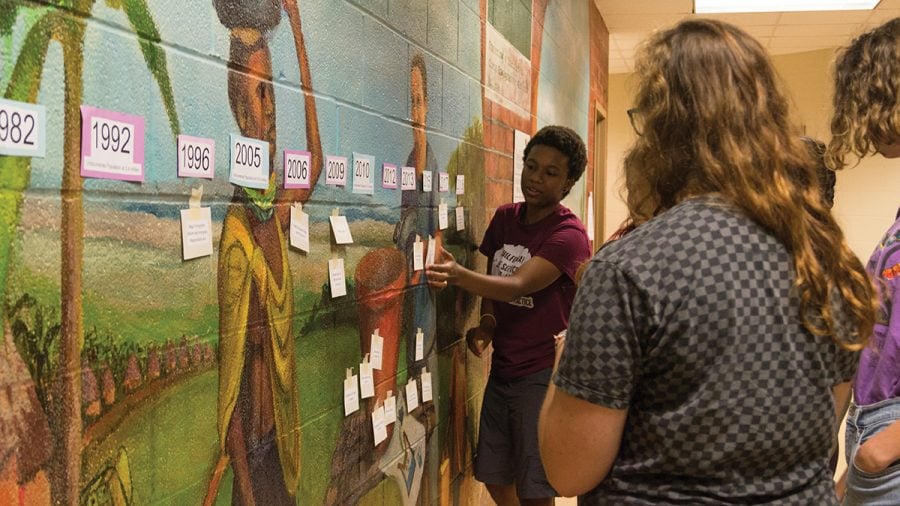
(112, 144)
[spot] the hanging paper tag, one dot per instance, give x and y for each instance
(420, 345)
(366, 382)
(351, 393)
(379, 431)
(196, 228)
(299, 227)
(426, 386)
(412, 396)
(390, 408)
(376, 347)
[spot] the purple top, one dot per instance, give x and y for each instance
(523, 340)
(878, 377)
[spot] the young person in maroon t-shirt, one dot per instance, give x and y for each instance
(534, 249)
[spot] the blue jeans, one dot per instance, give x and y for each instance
(871, 489)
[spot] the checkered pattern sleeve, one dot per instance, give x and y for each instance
(603, 353)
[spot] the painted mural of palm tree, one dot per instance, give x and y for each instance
(64, 22)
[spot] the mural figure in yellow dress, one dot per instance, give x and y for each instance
(258, 412)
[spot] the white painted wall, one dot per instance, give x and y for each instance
(866, 196)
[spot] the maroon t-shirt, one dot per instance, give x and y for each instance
(523, 340)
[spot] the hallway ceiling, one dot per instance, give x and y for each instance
(630, 21)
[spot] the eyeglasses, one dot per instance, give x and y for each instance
(634, 116)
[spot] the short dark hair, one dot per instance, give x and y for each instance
(567, 142)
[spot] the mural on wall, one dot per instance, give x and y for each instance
(131, 376)
(60, 374)
(258, 407)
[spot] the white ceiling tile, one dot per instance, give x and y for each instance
(881, 15)
(824, 17)
(888, 4)
(641, 21)
(815, 30)
(631, 21)
(788, 50)
(645, 6)
(747, 19)
(760, 31)
(809, 42)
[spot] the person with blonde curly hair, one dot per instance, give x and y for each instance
(710, 347)
(867, 121)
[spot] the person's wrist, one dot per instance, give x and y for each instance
(487, 321)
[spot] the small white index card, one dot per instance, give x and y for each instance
(196, 228)
(341, 229)
(429, 256)
(390, 408)
(426, 386)
(351, 393)
(420, 345)
(376, 348)
(299, 228)
(379, 431)
(418, 255)
(336, 277)
(412, 396)
(443, 217)
(366, 381)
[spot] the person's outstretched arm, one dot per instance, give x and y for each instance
(534, 275)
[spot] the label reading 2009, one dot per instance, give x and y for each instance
(336, 170)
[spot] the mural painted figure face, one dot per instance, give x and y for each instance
(419, 106)
(545, 178)
(252, 98)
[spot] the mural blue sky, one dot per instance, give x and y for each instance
(351, 54)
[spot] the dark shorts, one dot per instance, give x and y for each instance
(508, 450)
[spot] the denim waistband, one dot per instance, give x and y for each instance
(873, 413)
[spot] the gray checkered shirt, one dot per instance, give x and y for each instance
(690, 322)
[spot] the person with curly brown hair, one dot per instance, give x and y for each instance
(866, 121)
(709, 347)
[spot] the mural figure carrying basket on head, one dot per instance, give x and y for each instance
(258, 412)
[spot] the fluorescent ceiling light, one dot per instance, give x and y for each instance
(719, 6)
